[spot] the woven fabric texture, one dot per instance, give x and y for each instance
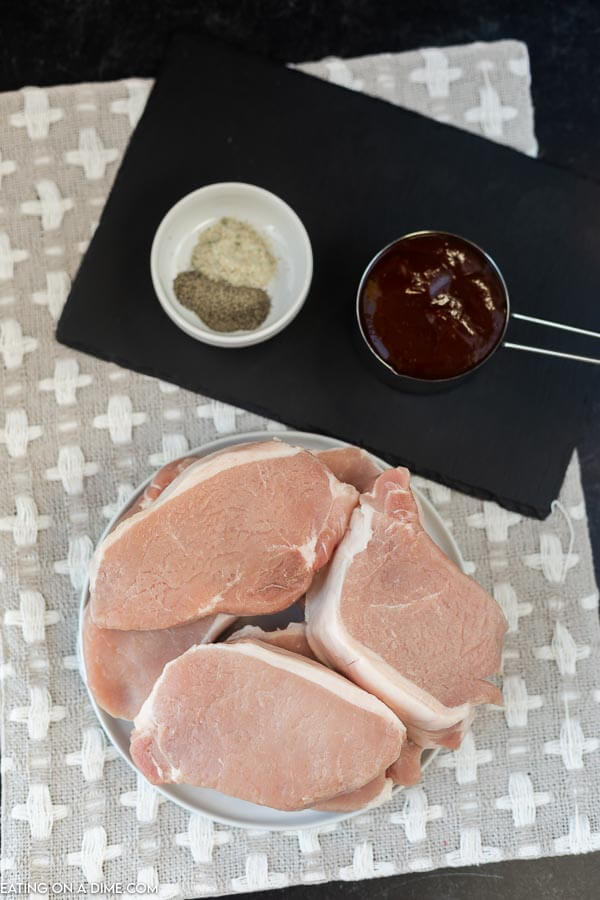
(79, 434)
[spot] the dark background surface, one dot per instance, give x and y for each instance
(57, 42)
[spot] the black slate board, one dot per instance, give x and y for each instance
(359, 172)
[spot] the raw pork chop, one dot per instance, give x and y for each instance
(292, 638)
(406, 770)
(395, 615)
(264, 725)
(160, 480)
(373, 794)
(122, 666)
(351, 465)
(241, 531)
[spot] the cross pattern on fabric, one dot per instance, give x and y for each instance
(77, 435)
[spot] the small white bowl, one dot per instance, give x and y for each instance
(286, 236)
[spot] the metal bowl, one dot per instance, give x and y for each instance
(409, 383)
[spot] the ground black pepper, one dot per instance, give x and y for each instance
(221, 305)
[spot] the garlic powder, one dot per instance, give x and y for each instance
(233, 251)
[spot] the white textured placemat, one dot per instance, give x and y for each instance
(78, 434)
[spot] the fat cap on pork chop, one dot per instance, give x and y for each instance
(262, 724)
(292, 638)
(406, 770)
(396, 616)
(240, 532)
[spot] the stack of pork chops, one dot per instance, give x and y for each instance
(393, 656)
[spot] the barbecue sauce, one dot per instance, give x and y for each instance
(432, 306)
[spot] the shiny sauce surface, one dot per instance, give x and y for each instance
(432, 306)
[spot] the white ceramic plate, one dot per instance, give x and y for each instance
(220, 807)
(178, 232)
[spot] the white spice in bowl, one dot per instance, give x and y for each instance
(233, 251)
